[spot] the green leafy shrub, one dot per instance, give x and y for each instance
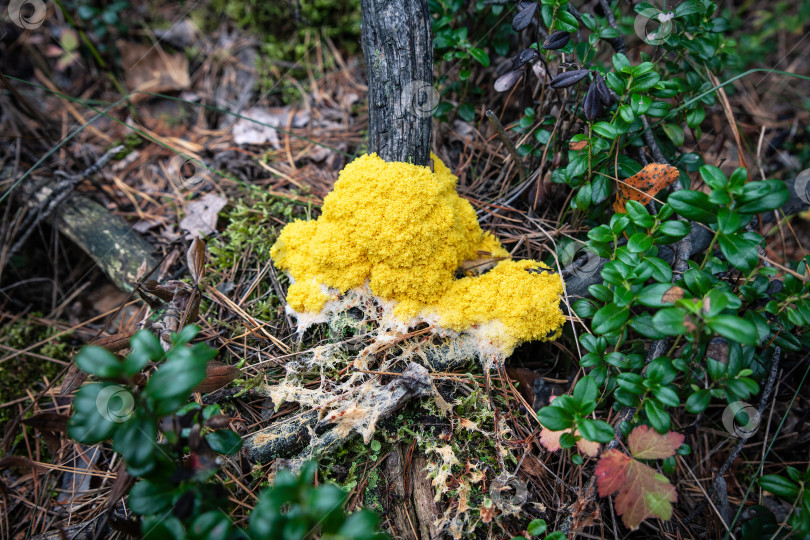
(667, 337)
(171, 445)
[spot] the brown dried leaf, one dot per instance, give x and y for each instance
(537, 193)
(161, 291)
(115, 342)
(577, 145)
(51, 422)
(141, 271)
(643, 185)
(218, 421)
(532, 467)
(673, 293)
(585, 511)
(525, 378)
(481, 265)
(151, 69)
(551, 442)
(487, 513)
(195, 258)
(463, 498)
(202, 214)
(217, 375)
(123, 481)
(74, 379)
(19, 462)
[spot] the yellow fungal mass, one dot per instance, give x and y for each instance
(406, 231)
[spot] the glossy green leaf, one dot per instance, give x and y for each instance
(734, 328)
(135, 439)
(99, 362)
(480, 56)
(779, 486)
(698, 401)
(605, 130)
(713, 176)
(670, 321)
(225, 441)
(555, 418)
(90, 422)
(693, 205)
(739, 250)
(609, 319)
(150, 497)
(596, 430)
(675, 133)
(658, 417)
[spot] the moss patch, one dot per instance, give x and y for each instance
(25, 372)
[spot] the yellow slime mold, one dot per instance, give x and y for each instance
(405, 231)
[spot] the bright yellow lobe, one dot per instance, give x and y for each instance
(407, 231)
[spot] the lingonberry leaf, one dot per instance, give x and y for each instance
(640, 491)
(646, 443)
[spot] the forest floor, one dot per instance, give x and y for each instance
(273, 120)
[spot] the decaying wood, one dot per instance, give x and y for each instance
(107, 239)
(282, 439)
(285, 438)
(399, 66)
(409, 503)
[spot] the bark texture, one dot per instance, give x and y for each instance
(409, 507)
(399, 67)
(117, 249)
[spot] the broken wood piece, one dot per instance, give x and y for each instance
(410, 505)
(115, 246)
(360, 414)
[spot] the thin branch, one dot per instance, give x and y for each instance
(618, 42)
(509, 146)
(763, 402)
(60, 192)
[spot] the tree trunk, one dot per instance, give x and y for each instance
(401, 99)
(399, 67)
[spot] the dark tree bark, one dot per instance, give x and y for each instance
(399, 67)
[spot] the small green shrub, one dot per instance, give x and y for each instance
(171, 446)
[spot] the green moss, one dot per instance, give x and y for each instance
(24, 372)
(372, 497)
(253, 224)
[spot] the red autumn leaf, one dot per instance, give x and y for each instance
(641, 492)
(643, 185)
(646, 443)
(611, 472)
